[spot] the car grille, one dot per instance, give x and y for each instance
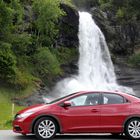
(17, 128)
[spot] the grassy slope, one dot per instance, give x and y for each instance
(6, 105)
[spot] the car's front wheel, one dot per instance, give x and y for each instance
(132, 129)
(45, 128)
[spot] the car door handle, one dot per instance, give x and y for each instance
(94, 110)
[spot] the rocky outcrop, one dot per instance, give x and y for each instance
(121, 38)
(128, 76)
(36, 98)
(68, 35)
(102, 21)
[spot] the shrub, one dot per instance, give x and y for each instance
(135, 60)
(46, 63)
(65, 55)
(7, 62)
(22, 80)
(21, 43)
(120, 13)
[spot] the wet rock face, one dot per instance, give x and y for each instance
(126, 38)
(102, 21)
(121, 38)
(128, 76)
(68, 35)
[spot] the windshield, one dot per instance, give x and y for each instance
(61, 98)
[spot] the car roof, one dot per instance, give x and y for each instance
(130, 97)
(125, 95)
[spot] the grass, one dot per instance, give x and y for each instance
(6, 113)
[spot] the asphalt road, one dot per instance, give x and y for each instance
(9, 135)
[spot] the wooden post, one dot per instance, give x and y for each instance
(13, 110)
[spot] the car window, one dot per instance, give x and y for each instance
(86, 99)
(112, 99)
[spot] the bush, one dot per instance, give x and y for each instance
(7, 62)
(22, 80)
(21, 43)
(120, 13)
(135, 60)
(66, 55)
(6, 17)
(46, 63)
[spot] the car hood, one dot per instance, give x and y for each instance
(33, 108)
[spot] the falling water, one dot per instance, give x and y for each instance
(96, 70)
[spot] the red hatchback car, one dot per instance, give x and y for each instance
(82, 112)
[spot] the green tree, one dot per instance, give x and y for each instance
(47, 14)
(6, 19)
(47, 64)
(7, 62)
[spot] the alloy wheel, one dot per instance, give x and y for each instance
(45, 128)
(134, 129)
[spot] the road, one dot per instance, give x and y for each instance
(9, 135)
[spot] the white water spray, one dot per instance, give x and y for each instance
(96, 71)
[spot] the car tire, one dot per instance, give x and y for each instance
(132, 129)
(45, 128)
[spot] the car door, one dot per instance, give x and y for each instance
(83, 115)
(114, 110)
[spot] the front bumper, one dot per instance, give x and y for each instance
(21, 126)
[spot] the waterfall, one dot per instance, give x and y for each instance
(95, 68)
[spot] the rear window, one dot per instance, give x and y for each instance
(112, 99)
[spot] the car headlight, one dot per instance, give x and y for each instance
(24, 115)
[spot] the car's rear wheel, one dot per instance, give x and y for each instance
(132, 129)
(45, 128)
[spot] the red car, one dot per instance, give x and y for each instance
(82, 112)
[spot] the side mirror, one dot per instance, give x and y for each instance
(66, 104)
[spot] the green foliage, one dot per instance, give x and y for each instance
(105, 6)
(68, 2)
(22, 57)
(7, 62)
(17, 11)
(22, 80)
(21, 43)
(85, 3)
(47, 12)
(125, 10)
(135, 60)
(120, 13)
(6, 17)
(103, 1)
(65, 55)
(46, 63)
